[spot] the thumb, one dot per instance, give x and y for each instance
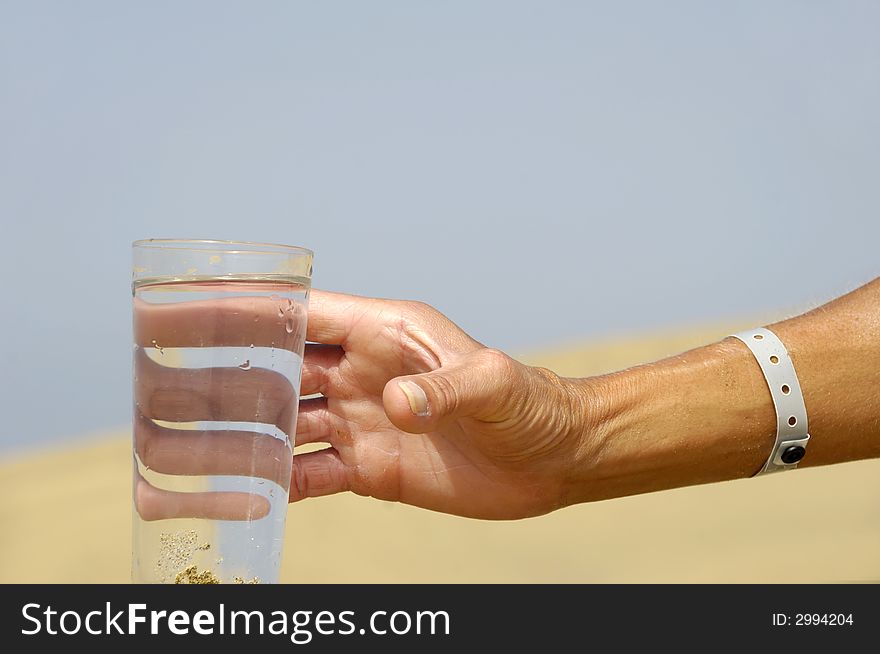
(479, 385)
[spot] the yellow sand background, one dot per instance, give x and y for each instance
(65, 517)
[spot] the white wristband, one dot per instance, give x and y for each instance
(791, 412)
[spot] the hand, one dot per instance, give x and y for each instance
(414, 411)
(418, 412)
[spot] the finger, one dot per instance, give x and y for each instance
(480, 385)
(218, 394)
(315, 423)
(156, 504)
(320, 368)
(318, 473)
(212, 452)
(423, 334)
(333, 315)
(235, 321)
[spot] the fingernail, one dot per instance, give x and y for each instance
(418, 401)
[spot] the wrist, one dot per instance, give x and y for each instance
(700, 417)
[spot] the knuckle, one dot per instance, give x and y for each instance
(418, 306)
(299, 482)
(511, 389)
(498, 364)
(445, 391)
(305, 427)
(411, 333)
(417, 311)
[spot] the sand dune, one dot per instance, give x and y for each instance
(65, 517)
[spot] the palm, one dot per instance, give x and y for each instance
(459, 468)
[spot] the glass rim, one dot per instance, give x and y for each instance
(249, 247)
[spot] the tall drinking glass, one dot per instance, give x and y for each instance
(219, 332)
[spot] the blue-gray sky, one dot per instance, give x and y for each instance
(540, 171)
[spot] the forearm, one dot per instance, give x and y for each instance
(707, 415)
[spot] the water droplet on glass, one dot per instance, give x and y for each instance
(158, 347)
(289, 325)
(246, 365)
(252, 346)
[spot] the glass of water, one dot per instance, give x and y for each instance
(219, 333)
